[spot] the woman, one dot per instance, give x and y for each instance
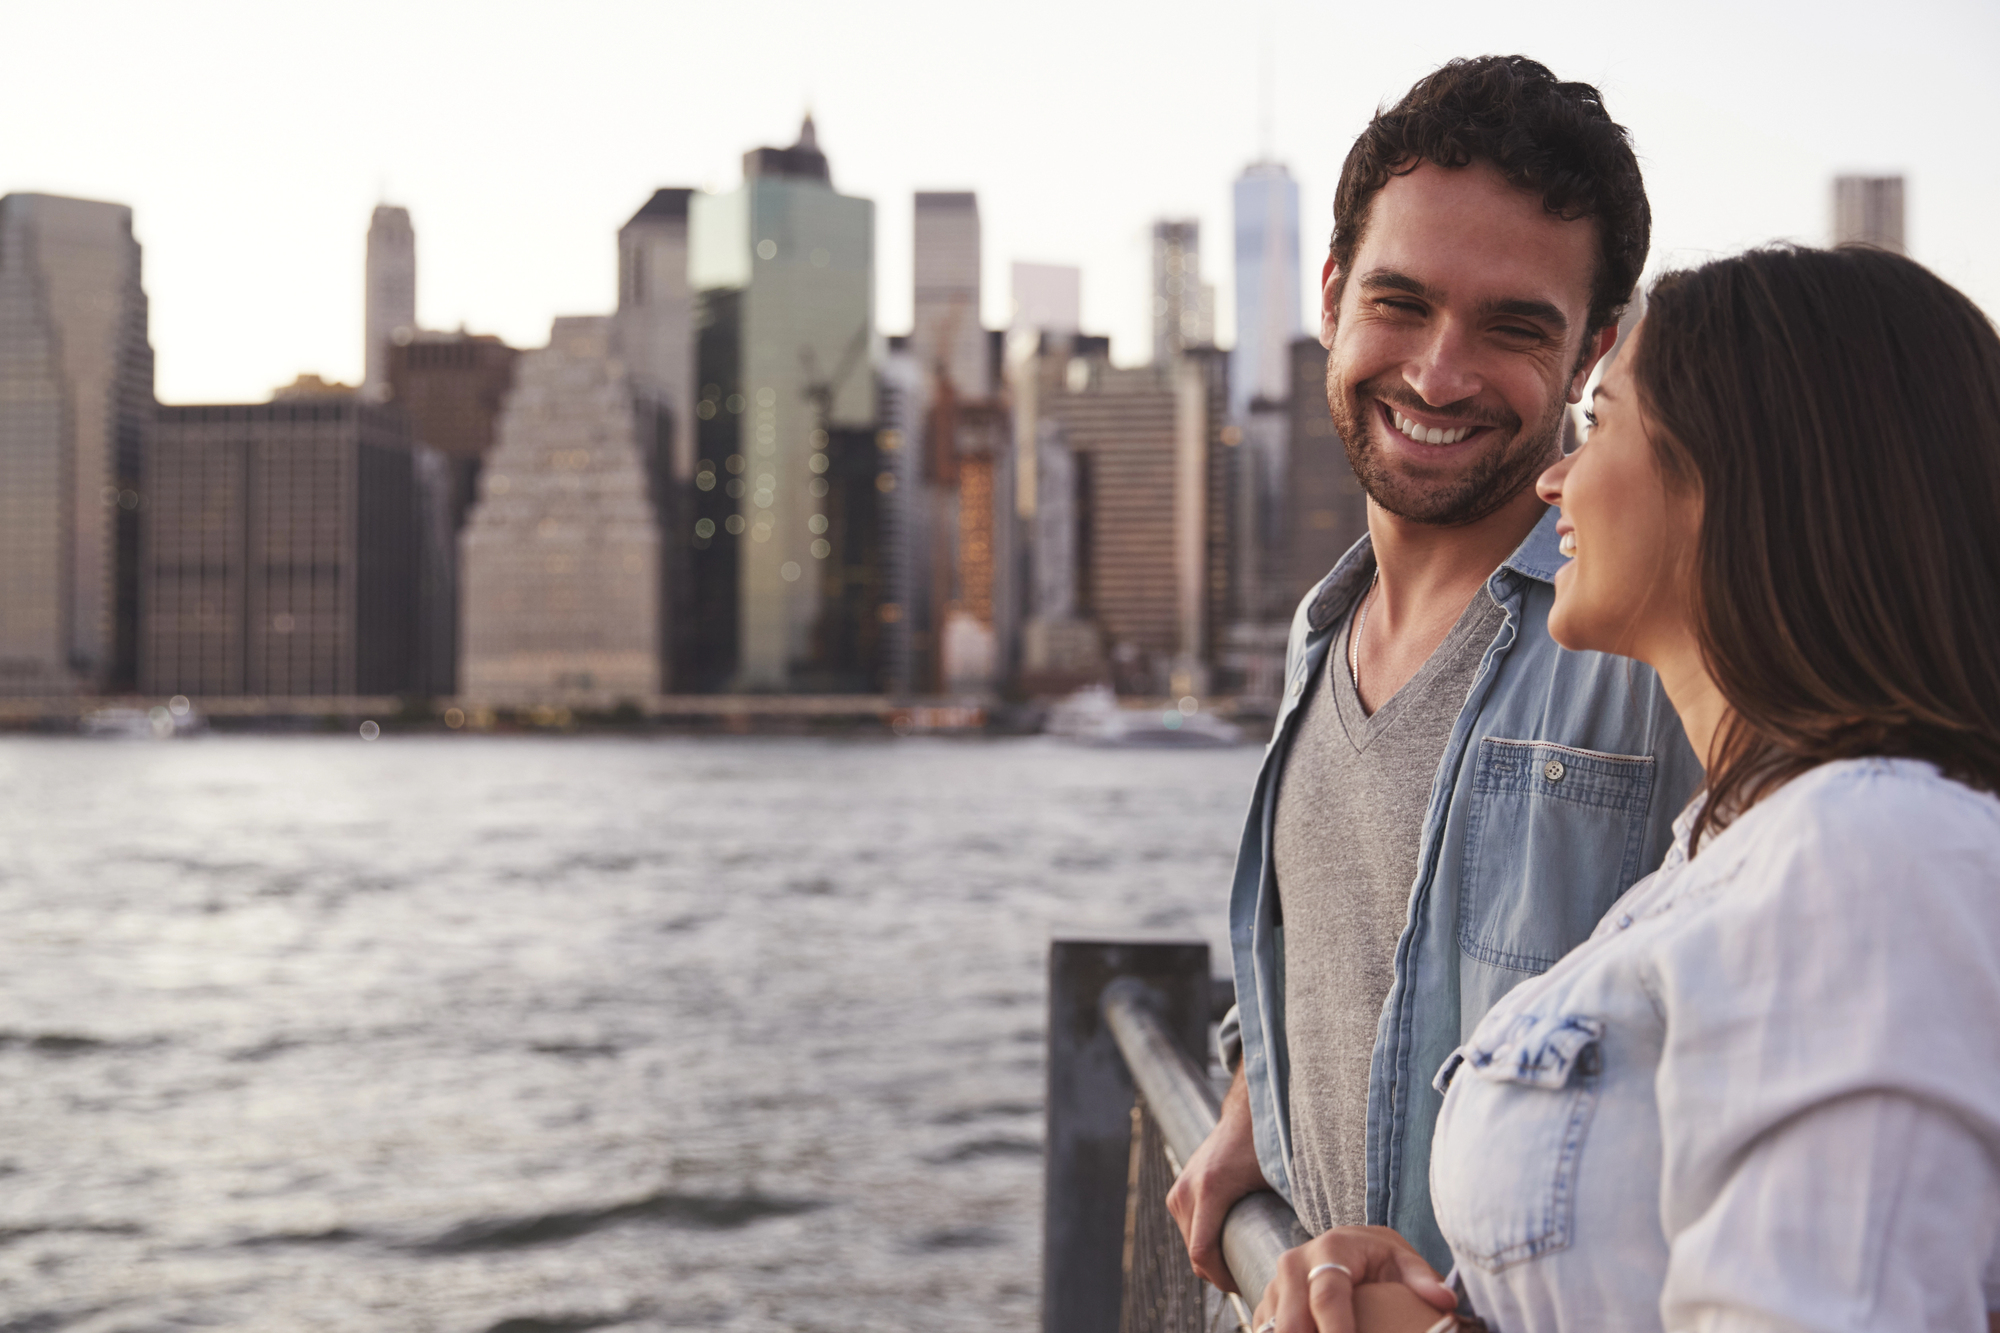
(1766, 1092)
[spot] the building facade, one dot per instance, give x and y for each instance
(1868, 210)
(1147, 537)
(1325, 509)
(654, 326)
(389, 305)
(76, 408)
(946, 335)
(784, 268)
(559, 562)
(1183, 305)
(281, 551)
(452, 387)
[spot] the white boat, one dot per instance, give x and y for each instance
(177, 717)
(1093, 716)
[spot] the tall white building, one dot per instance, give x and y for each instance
(390, 305)
(76, 411)
(559, 562)
(1183, 305)
(945, 335)
(1267, 284)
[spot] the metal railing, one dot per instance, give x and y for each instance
(1130, 1099)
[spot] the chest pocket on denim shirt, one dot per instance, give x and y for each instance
(1503, 1168)
(1553, 836)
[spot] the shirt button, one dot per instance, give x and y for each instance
(1625, 922)
(1298, 684)
(1553, 770)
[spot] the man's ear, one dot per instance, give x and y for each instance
(1605, 337)
(1329, 301)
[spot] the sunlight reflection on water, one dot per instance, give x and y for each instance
(437, 1033)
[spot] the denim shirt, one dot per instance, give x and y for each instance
(1764, 1094)
(1556, 791)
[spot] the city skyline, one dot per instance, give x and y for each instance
(519, 154)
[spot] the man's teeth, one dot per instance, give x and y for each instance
(1431, 435)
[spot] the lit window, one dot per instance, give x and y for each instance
(821, 550)
(818, 462)
(734, 525)
(817, 523)
(705, 528)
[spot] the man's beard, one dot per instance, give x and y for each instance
(1488, 483)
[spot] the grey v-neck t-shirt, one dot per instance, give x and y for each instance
(1349, 824)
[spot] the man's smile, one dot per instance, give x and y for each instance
(1428, 433)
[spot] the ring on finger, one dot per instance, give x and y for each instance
(1317, 1269)
(1268, 1325)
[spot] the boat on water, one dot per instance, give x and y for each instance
(177, 717)
(1093, 716)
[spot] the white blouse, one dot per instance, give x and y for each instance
(1765, 1093)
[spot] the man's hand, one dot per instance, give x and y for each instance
(1222, 1170)
(1353, 1278)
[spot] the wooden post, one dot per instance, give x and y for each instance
(1089, 1110)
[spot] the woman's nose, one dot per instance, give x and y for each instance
(1549, 486)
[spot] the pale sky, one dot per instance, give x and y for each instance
(253, 139)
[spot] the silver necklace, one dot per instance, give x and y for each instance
(1360, 623)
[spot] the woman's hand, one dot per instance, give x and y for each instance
(1311, 1295)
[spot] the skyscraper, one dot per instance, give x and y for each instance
(1267, 284)
(1868, 210)
(76, 408)
(451, 387)
(282, 550)
(389, 311)
(946, 335)
(784, 268)
(560, 559)
(1148, 550)
(1048, 298)
(654, 327)
(1183, 305)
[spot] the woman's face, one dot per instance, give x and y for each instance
(1627, 587)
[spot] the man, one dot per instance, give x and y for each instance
(1449, 801)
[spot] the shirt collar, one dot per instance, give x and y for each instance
(1537, 557)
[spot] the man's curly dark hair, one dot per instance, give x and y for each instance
(1552, 138)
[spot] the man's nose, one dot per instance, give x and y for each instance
(1442, 371)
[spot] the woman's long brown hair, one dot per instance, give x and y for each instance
(1840, 412)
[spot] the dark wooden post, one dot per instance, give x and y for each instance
(1088, 1152)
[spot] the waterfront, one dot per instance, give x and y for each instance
(516, 1033)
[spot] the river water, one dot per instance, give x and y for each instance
(519, 1034)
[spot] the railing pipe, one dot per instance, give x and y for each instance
(1261, 1226)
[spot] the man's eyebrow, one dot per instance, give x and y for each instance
(1388, 279)
(1524, 309)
